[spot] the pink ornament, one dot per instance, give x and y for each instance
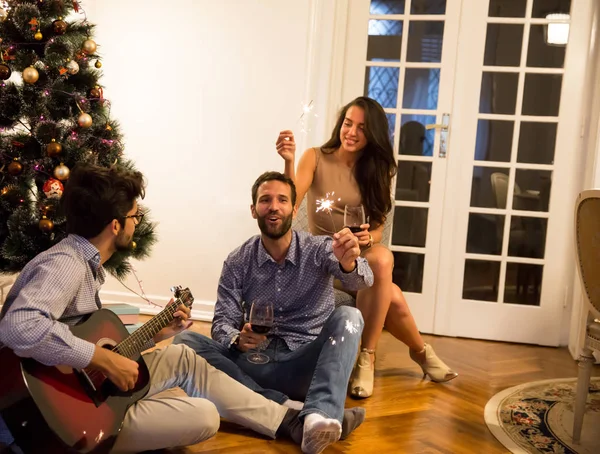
(53, 188)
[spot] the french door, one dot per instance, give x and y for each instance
(483, 101)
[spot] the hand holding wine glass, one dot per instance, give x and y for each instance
(354, 219)
(261, 321)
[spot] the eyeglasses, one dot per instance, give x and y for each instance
(137, 218)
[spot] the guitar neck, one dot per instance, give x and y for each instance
(137, 342)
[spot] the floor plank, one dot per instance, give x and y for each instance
(407, 414)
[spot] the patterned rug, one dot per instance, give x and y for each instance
(537, 418)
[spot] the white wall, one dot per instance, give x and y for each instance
(201, 89)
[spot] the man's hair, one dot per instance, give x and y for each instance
(94, 196)
(273, 176)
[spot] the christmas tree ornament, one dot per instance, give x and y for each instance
(89, 46)
(98, 64)
(38, 36)
(15, 168)
(31, 75)
(108, 127)
(84, 120)
(53, 188)
(3, 15)
(95, 93)
(59, 26)
(46, 225)
(5, 72)
(133, 245)
(53, 149)
(72, 67)
(62, 172)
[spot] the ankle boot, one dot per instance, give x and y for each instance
(431, 365)
(361, 384)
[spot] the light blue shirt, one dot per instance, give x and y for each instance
(54, 290)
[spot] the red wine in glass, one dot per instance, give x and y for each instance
(354, 217)
(261, 321)
(260, 329)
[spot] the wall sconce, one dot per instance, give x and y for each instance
(557, 32)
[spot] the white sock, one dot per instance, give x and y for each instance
(293, 404)
(319, 432)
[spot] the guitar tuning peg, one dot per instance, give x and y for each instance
(175, 289)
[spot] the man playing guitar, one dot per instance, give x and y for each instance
(59, 288)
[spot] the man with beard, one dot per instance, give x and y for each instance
(311, 346)
(59, 288)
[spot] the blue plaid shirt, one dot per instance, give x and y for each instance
(300, 288)
(55, 289)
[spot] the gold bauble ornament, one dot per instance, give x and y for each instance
(133, 245)
(62, 172)
(31, 75)
(38, 36)
(15, 168)
(89, 46)
(46, 225)
(98, 64)
(84, 120)
(3, 15)
(72, 67)
(53, 148)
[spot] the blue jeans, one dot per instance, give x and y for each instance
(316, 373)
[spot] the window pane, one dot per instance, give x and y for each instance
(537, 142)
(481, 280)
(532, 190)
(425, 40)
(410, 226)
(527, 237)
(498, 93)
(542, 55)
(494, 140)
(408, 271)
(542, 94)
(523, 284)
(413, 181)
(541, 8)
(503, 45)
(428, 7)
(485, 233)
(421, 87)
(415, 139)
(381, 84)
(507, 8)
(385, 40)
(489, 187)
(387, 7)
(391, 126)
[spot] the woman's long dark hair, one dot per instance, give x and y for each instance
(376, 165)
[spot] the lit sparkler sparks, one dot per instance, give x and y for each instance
(326, 205)
(307, 110)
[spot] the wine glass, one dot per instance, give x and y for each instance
(261, 322)
(354, 217)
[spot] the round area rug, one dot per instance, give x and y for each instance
(537, 417)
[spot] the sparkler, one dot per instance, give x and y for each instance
(326, 205)
(306, 111)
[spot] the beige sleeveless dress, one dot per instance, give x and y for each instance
(334, 181)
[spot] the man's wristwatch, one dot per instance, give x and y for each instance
(235, 341)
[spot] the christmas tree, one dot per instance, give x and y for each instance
(53, 116)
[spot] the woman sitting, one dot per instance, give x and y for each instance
(357, 164)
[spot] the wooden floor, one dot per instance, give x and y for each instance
(409, 415)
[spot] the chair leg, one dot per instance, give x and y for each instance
(583, 383)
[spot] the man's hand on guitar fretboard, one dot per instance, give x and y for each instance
(181, 321)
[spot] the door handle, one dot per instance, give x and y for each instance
(444, 128)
